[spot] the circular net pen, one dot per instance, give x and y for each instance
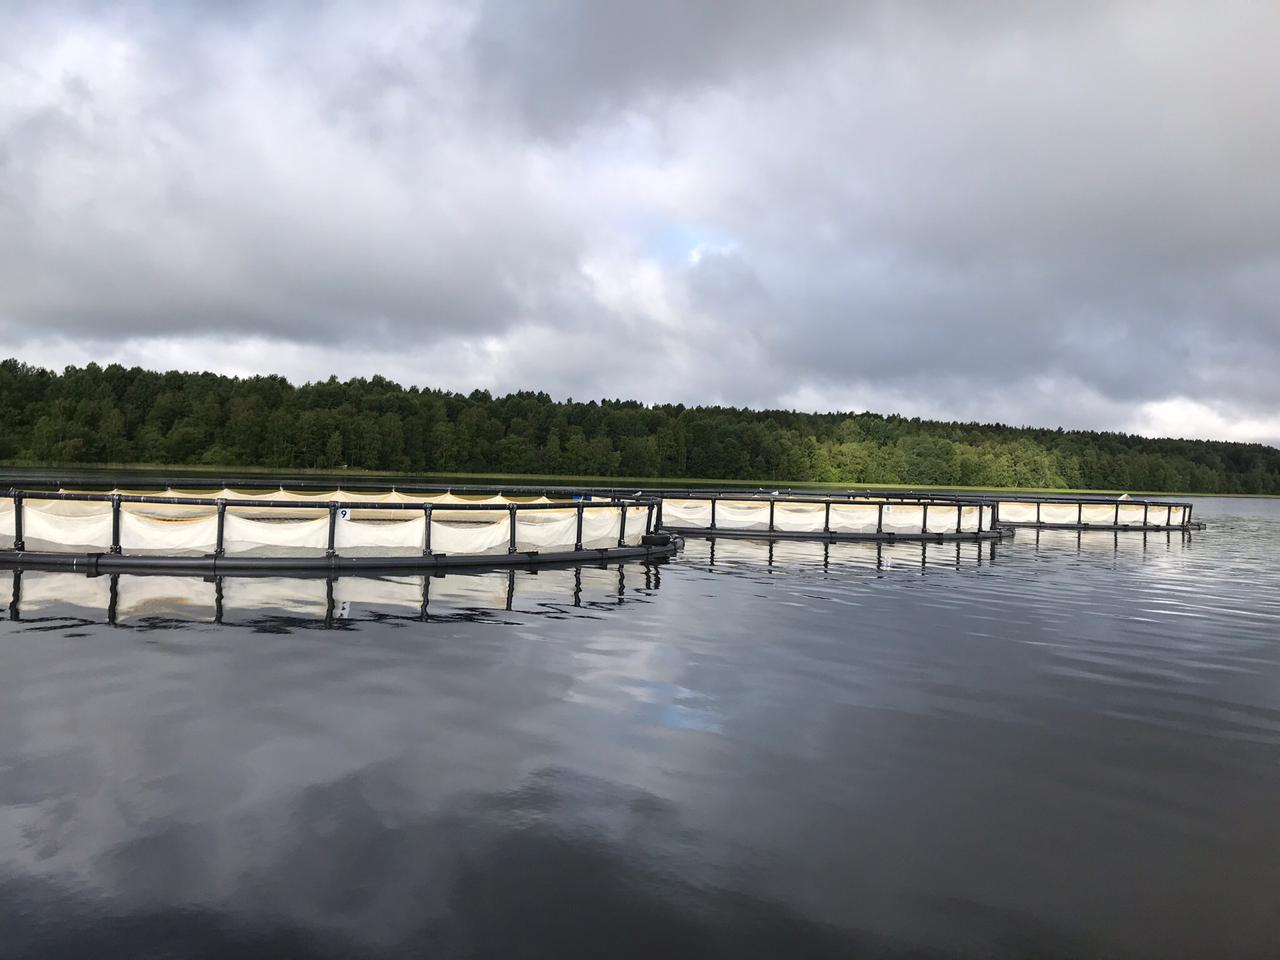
(283, 530)
(1094, 513)
(792, 516)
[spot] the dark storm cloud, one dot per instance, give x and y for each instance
(1052, 213)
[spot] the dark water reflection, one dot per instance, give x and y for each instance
(1063, 746)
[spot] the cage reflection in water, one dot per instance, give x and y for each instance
(779, 555)
(157, 600)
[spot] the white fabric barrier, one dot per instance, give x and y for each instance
(387, 538)
(856, 517)
(485, 533)
(54, 532)
(742, 514)
(243, 536)
(799, 517)
(686, 513)
(141, 534)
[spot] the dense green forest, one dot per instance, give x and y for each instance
(116, 415)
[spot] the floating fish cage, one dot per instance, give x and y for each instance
(228, 530)
(865, 514)
(1095, 513)
(785, 516)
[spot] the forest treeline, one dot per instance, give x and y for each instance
(116, 415)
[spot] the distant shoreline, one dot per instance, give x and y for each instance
(572, 480)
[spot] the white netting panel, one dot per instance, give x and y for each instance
(482, 532)
(146, 535)
(742, 514)
(903, 518)
(381, 538)
(46, 531)
(547, 530)
(600, 527)
(799, 517)
(855, 517)
(686, 513)
(245, 537)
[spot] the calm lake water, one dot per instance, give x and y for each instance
(1059, 746)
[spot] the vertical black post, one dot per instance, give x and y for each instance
(577, 541)
(1080, 514)
(1146, 509)
(924, 519)
(960, 518)
(880, 517)
(771, 503)
(1168, 517)
(622, 526)
(657, 522)
(219, 545)
(1186, 515)
(115, 524)
(426, 535)
(1117, 520)
(1037, 513)
(333, 531)
(713, 513)
(826, 517)
(511, 544)
(648, 520)
(981, 508)
(19, 543)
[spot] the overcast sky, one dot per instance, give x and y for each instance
(1047, 213)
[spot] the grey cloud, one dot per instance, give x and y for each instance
(943, 207)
